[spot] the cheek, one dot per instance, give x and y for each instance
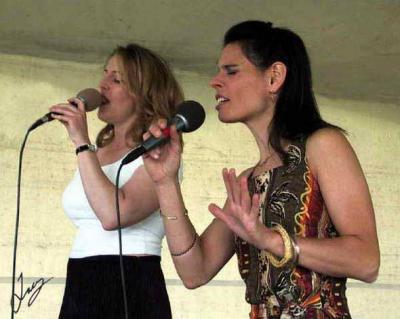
(130, 101)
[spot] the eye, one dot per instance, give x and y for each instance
(231, 72)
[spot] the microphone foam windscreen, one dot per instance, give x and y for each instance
(194, 114)
(91, 98)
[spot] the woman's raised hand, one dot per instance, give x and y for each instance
(162, 163)
(74, 119)
(241, 211)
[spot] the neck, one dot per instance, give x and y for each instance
(122, 134)
(260, 130)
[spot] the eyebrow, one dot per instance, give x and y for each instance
(228, 66)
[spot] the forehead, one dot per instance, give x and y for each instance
(232, 54)
(114, 63)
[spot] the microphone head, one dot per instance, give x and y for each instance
(192, 114)
(91, 98)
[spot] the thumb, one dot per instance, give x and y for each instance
(215, 210)
(78, 103)
(174, 133)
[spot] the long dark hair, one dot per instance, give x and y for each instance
(296, 112)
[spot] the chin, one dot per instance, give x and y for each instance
(226, 119)
(101, 117)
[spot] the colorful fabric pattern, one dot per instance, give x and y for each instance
(290, 196)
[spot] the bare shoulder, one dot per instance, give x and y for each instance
(327, 138)
(329, 147)
(327, 141)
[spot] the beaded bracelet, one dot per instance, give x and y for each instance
(288, 246)
(187, 249)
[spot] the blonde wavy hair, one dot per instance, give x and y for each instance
(148, 78)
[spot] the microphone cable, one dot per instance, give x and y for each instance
(121, 261)
(189, 117)
(123, 281)
(21, 152)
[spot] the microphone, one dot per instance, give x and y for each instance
(90, 97)
(189, 117)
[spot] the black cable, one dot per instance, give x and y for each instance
(17, 228)
(121, 262)
(17, 219)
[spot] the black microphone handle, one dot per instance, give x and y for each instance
(153, 142)
(44, 119)
(48, 118)
(141, 149)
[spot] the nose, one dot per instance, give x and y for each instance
(216, 81)
(103, 84)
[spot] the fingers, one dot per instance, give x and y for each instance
(225, 176)
(64, 110)
(255, 205)
(159, 129)
(231, 185)
(154, 153)
(216, 211)
(245, 200)
(77, 103)
(239, 199)
(156, 129)
(175, 136)
(73, 118)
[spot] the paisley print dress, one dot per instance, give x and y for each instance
(290, 196)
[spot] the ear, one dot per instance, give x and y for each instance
(276, 75)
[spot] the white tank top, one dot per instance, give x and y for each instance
(91, 240)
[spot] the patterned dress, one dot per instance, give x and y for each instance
(290, 196)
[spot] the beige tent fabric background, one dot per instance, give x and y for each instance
(31, 83)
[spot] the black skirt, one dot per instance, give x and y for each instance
(93, 288)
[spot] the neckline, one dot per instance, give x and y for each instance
(117, 161)
(267, 171)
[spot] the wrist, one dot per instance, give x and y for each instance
(166, 184)
(272, 242)
(86, 147)
(81, 141)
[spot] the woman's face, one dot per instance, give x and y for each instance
(119, 105)
(241, 89)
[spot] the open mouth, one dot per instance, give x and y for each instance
(104, 100)
(221, 99)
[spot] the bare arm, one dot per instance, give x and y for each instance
(137, 198)
(355, 253)
(211, 251)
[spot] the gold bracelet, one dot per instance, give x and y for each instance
(288, 252)
(173, 217)
(187, 249)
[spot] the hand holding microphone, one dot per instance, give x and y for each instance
(73, 115)
(91, 99)
(165, 162)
